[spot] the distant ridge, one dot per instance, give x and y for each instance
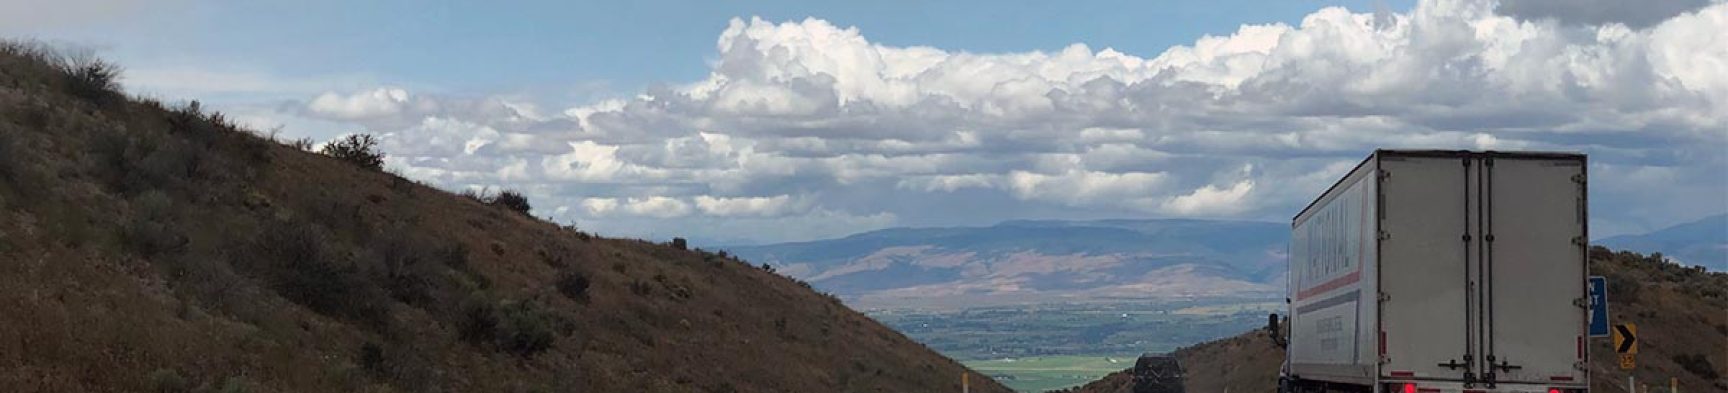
(1702, 242)
(1031, 261)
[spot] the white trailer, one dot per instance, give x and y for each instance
(1442, 271)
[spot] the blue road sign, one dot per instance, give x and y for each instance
(1598, 306)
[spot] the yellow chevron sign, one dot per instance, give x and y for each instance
(1626, 338)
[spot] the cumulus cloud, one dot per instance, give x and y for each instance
(1211, 199)
(804, 120)
(746, 206)
(362, 105)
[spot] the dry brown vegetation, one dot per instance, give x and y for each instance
(1681, 313)
(156, 248)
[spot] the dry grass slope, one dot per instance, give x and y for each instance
(154, 248)
(1681, 313)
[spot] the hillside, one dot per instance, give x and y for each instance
(1679, 312)
(153, 247)
(1702, 242)
(1024, 262)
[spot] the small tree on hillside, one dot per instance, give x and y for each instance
(358, 149)
(512, 200)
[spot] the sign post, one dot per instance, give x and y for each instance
(1598, 306)
(1626, 344)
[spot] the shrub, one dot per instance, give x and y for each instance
(165, 380)
(302, 144)
(511, 200)
(680, 243)
(1623, 287)
(372, 358)
(151, 232)
(507, 199)
(1698, 365)
(9, 150)
(410, 271)
(525, 328)
(302, 268)
(190, 120)
(235, 384)
(477, 319)
(357, 149)
(573, 285)
(92, 78)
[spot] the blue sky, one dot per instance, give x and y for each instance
(734, 122)
(556, 47)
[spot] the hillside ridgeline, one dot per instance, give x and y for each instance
(152, 247)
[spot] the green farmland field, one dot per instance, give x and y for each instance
(1041, 373)
(1033, 348)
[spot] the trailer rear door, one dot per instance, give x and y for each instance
(1424, 263)
(1535, 264)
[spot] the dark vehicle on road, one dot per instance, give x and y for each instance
(1157, 373)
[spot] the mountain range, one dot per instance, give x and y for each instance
(1040, 261)
(1703, 242)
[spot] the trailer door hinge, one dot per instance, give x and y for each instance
(1385, 235)
(1385, 297)
(1579, 178)
(1581, 302)
(1579, 241)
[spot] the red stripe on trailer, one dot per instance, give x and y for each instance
(1382, 343)
(1403, 374)
(1560, 378)
(1580, 347)
(1336, 283)
(1428, 390)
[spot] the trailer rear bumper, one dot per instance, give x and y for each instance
(1430, 386)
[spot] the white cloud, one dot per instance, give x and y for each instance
(746, 206)
(1212, 200)
(949, 183)
(654, 206)
(805, 121)
(599, 206)
(368, 104)
(1085, 187)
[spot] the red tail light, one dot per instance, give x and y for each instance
(1554, 390)
(1411, 388)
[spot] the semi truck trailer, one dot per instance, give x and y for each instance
(1442, 271)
